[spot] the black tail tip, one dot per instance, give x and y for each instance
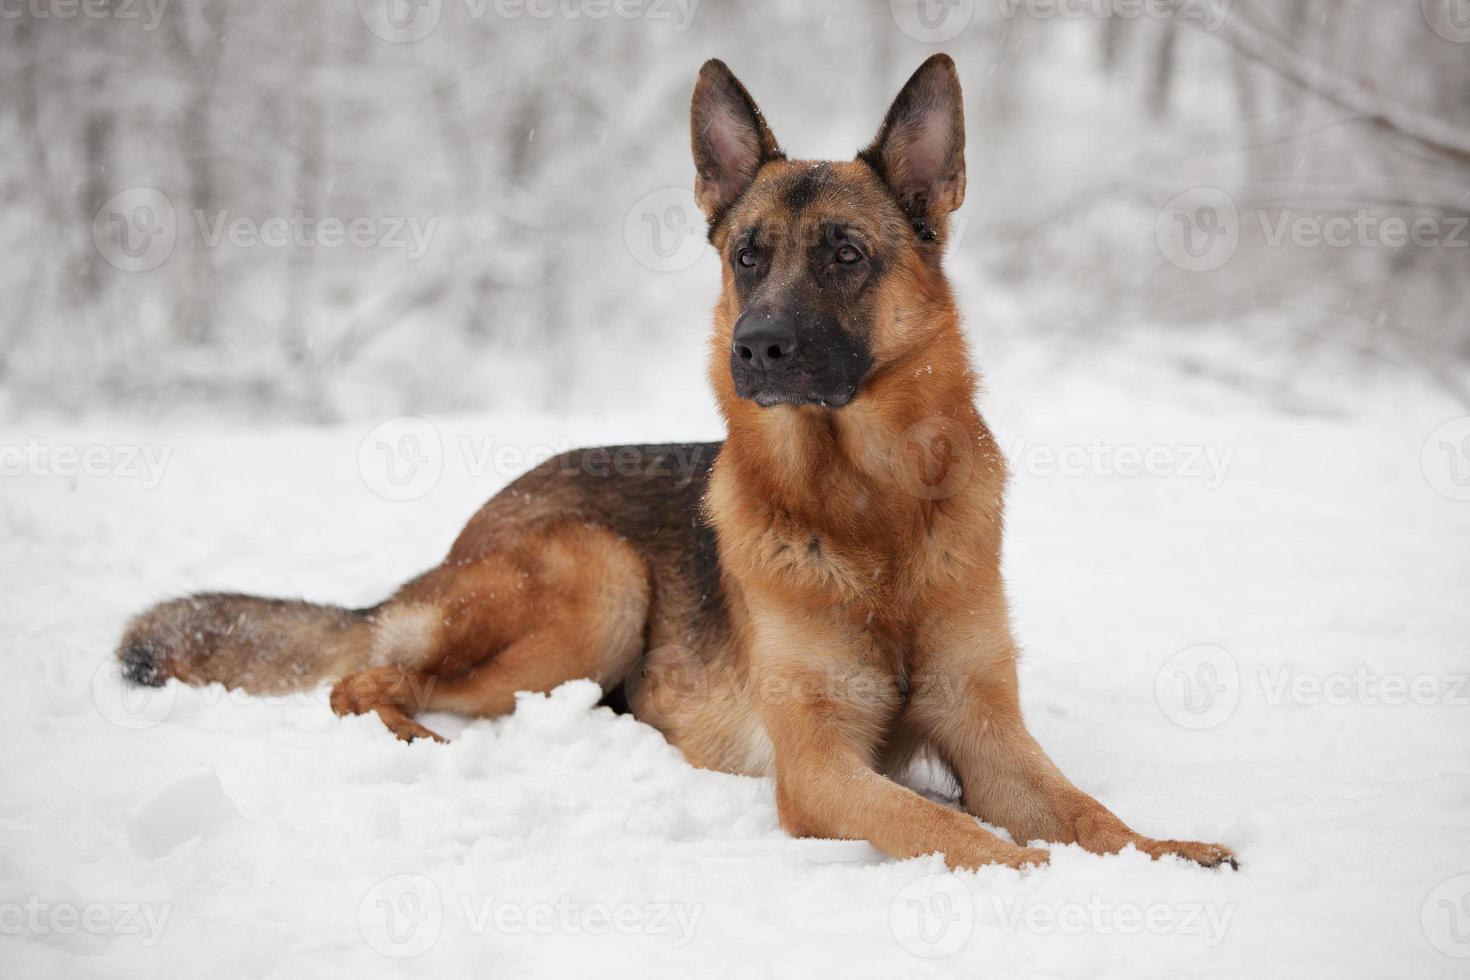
(142, 663)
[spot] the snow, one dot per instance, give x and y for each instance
(1312, 577)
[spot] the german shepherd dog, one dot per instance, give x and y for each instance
(818, 598)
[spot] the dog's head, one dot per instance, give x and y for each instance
(831, 268)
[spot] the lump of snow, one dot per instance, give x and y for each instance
(188, 806)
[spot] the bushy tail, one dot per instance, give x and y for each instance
(265, 646)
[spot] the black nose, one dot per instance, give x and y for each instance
(764, 341)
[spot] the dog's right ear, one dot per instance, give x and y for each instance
(729, 138)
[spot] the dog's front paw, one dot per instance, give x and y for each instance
(1206, 855)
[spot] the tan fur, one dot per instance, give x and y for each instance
(856, 616)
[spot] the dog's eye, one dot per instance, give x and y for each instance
(847, 254)
(745, 258)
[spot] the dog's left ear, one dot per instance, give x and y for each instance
(920, 149)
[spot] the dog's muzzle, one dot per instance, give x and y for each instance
(788, 359)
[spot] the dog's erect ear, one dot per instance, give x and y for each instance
(920, 149)
(729, 138)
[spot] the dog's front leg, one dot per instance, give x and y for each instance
(827, 703)
(965, 701)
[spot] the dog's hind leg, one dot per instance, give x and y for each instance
(392, 694)
(542, 606)
(564, 650)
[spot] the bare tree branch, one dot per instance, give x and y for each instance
(1259, 45)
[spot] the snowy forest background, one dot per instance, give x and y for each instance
(155, 149)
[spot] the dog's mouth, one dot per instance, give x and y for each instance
(771, 397)
(828, 386)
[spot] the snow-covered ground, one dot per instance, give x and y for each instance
(1264, 640)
